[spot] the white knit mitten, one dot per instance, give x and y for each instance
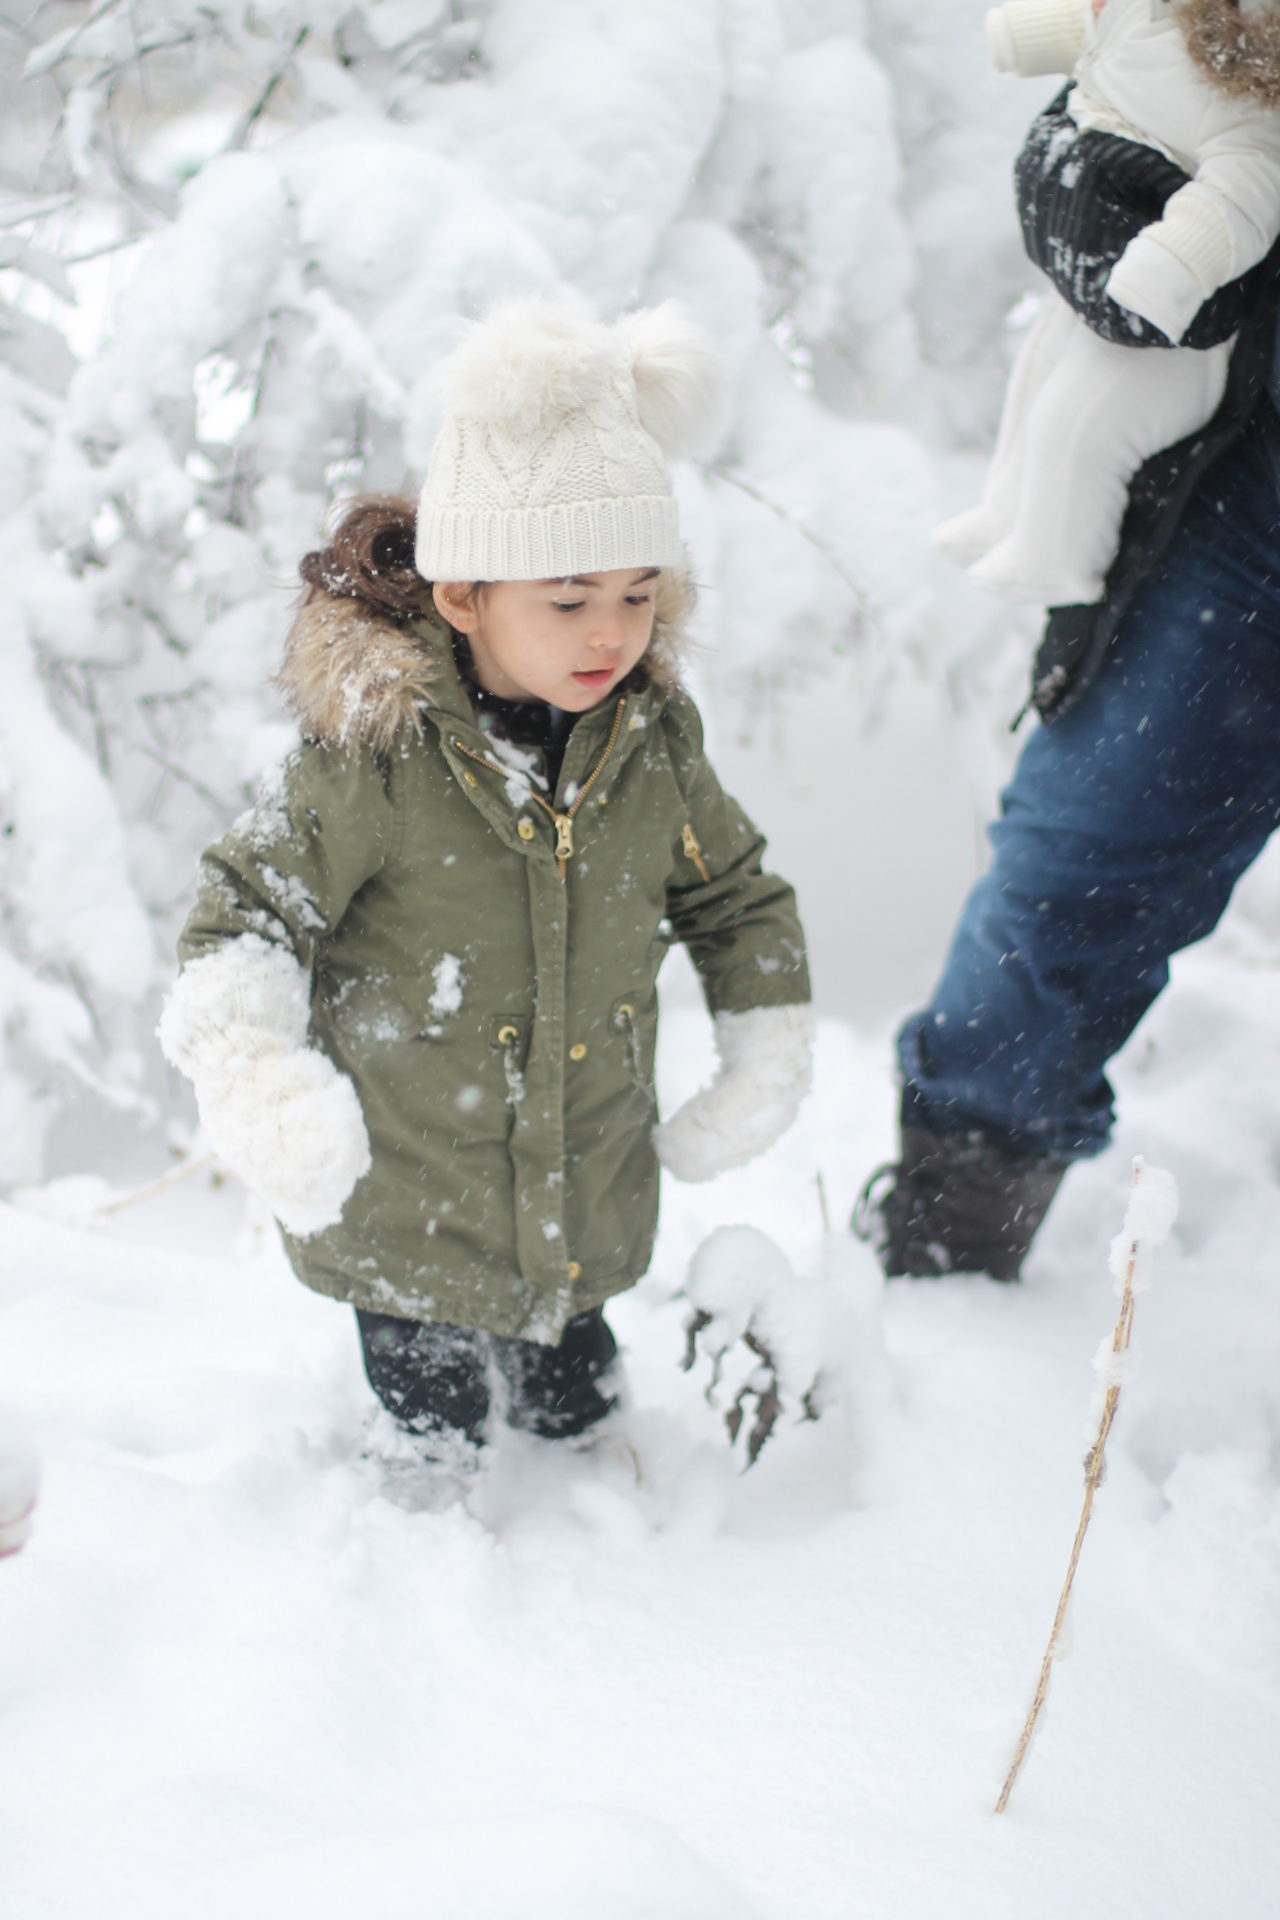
(1151, 281)
(766, 1063)
(1031, 37)
(276, 1110)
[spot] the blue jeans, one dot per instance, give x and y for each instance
(1126, 825)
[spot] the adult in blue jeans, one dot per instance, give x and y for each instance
(1151, 784)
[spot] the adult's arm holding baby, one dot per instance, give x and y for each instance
(1212, 230)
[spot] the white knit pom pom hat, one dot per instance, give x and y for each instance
(551, 461)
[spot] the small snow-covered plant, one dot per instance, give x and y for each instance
(1152, 1210)
(781, 1346)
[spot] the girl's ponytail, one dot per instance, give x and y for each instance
(370, 558)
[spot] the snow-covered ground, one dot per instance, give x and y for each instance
(239, 1676)
(244, 1670)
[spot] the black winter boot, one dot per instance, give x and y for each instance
(958, 1203)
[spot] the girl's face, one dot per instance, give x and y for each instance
(568, 642)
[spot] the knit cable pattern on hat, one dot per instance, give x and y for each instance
(549, 461)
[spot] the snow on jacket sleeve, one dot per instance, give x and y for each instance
(287, 871)
(276, 1109)
(739, 923)
(1030, 37)
(1216, 227)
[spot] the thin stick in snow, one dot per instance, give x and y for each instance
(1152, 1209)
(169, 1179)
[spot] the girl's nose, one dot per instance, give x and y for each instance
(609, 633)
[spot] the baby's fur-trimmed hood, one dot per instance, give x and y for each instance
(1237, 48)
(355, 678)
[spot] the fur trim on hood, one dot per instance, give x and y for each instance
(352, 676)
(1237, 48)
(355, 678)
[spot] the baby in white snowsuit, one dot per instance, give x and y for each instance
(1081, 414)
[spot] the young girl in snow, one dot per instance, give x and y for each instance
(418, 994)
(1200, 81)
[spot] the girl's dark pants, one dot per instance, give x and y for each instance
(1124, 829)
(438, 1379)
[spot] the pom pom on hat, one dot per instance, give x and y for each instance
(550, 458)
(679, 375)
(528, 361)
(533, 359)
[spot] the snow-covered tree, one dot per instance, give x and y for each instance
(234, 240)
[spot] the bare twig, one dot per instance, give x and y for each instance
(170, 1179)
(693, 1327)
(1094, 1465)
(18, 212)
(762, 1387)
(866, 612)
(108, 246)
(212, 800)
(63, 45)
(249, 121)
(151, 201)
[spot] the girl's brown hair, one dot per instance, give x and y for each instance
(370, 558)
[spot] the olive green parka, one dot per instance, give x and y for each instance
(484, 956)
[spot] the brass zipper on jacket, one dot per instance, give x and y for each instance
(563, 821)
(692, 851)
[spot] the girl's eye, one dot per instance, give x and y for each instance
(568, 606)
(639, 599)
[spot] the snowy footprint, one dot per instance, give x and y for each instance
(627, 1479)
(408, 1470)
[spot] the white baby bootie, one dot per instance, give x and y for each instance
(968, 536)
